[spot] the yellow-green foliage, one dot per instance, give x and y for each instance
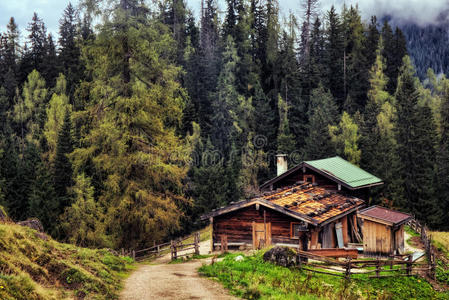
(441, 240)
(32, 268)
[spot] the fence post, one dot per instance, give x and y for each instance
(158, 249)
(348, 268)
(377, 267)
(134, 255)
(409, 265)
(196, 239)
(123, 252)
(299, 261)
(172, 249)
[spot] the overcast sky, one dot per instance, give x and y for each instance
(419, 11)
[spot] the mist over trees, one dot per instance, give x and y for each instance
(124, 134)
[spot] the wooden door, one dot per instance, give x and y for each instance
(261, 235)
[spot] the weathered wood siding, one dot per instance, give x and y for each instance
(238, 225)
(377, 238)
(399, 240)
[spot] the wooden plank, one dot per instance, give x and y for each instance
(344, 223)
(339, 233)
(335, 252)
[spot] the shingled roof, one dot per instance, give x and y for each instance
(306, 202)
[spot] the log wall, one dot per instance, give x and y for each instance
(237, 225)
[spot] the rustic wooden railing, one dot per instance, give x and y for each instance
(350, 268)
(426, 239)
(173, 247)
(178, 246)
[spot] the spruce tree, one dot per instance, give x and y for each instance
(42, 200)
(69, 52)
(322, 113)
(62, 167)
(335, 56)
(443, 159)
(416, 146)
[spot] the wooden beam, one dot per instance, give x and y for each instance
(335, 252)
(211, 219)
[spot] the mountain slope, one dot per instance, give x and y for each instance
(33, 266)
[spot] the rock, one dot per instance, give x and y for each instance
(281, 256)
(32, 223)
(239, 258)
(42, 236)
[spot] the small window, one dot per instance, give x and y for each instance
(296, 229)
(309, 178)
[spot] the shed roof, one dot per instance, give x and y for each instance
(345, 171)
(384, 215)
(306, 202)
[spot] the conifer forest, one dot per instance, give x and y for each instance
(140, 116)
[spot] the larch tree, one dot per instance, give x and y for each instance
(137, 104)
(56, 111)
(345, 137)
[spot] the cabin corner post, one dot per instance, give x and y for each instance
(211, 221)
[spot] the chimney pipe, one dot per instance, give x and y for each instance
(281, 162)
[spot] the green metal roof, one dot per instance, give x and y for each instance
(344, 171)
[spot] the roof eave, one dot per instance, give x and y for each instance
(325, 222)
(246, 203)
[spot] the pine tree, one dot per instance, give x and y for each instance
(443, 159)
(378, 141)
(322, 113)
(62, 167)
(69, 52)
(356, 64)
(416, 147)
(11, 56)
(83, 222)
(42, 201)
(285, 140)
(225, 118)
(35, 54)
(334, 55)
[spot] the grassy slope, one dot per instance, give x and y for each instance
(441, 243)
(32, 268)
(253, 278)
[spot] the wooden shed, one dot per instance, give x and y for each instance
(383, 231)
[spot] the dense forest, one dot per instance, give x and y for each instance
(123, 133)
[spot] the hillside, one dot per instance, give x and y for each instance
(34, 266)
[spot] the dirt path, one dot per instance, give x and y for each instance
(160, 280)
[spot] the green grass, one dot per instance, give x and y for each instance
(253, 278)
(32, 268)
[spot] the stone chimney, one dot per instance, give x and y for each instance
(281, 162)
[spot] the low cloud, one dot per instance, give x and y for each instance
(419, 12)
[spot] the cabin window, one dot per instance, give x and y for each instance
(296, 229)
(309, 178)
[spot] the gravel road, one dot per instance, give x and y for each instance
(160, 280)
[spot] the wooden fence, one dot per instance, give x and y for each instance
(426, 239)
(350, 268)
(173, 247)
(179, 246)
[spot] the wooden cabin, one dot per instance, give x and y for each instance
(383, 231)
(313, 205)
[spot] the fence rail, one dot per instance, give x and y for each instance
(350, 268)
(173, 247)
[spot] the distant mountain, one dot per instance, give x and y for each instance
(428, 45)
